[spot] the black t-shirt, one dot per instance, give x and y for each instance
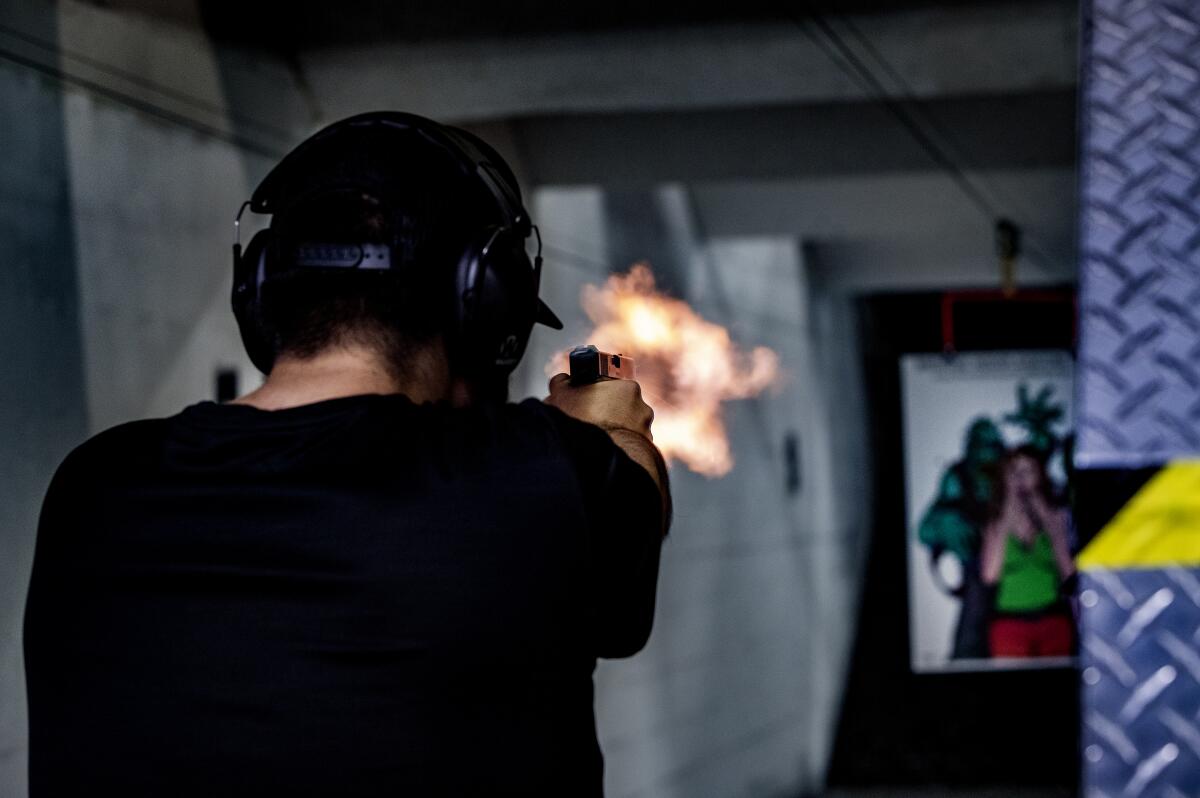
(361, 596)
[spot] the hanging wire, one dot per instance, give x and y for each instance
(141, 81)
(907, 110)
(142, 106)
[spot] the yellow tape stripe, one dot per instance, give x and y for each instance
(1159, 526)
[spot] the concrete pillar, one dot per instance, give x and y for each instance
(43, 411)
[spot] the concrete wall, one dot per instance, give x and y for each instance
(42, 399)
(154, 209)
(153, 202)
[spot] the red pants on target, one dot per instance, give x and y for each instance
(1045, 636)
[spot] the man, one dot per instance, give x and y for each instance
(370, 576)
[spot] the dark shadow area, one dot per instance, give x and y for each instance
(1016, 729)
(1030, 131)
(309, 22)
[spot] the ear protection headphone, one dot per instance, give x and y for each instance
(495, 302)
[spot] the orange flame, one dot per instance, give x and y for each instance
(687, 366)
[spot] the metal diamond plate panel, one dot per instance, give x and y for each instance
(1140, 660)
(1139, 397)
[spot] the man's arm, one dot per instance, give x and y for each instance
(627, 533)
(646, 454)
(617, 407)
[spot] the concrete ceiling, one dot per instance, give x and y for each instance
(990, 50)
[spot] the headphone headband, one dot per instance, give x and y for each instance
(458, 144)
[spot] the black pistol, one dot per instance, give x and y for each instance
(589, 364)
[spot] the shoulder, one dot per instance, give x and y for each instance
(507, 436)
(588, 449)
(120, 438)
(115, 448)
(555, 428)
(93, 466)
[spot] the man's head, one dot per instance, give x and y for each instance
(397, 314)
(428, 235)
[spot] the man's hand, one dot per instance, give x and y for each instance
(609, 404)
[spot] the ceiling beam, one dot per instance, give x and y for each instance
(1016, 132)
(936, 52)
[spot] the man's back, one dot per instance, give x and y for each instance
(357, 596)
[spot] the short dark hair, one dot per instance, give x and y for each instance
(307, 310)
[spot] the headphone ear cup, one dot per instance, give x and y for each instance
(497, 302)
(249, 270)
